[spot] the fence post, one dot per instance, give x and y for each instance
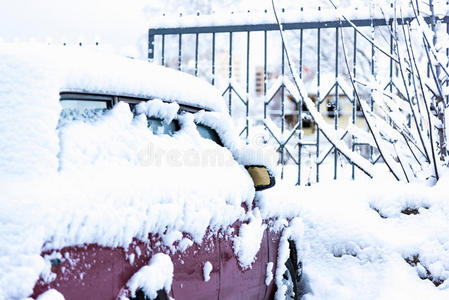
(150, 46)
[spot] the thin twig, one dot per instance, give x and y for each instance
(363, 35)
(433, 50)
(408, 94)
(429, 118)
(400, 163)
(408, 145)
(362, 107)
(408, 45)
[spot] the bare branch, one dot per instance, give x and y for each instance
(355, 158)
(364, 36)
(370, 126)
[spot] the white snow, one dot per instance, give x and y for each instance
(354, 238)
(245, 154)
(290, 16)
(247, 244)
(206, 271)
(105, 181)
(184, 244)
(269, 273)
(131, 258)
(283, 255)
(156, 276)
(111, 180)
(51, 295)
(161, 168)
(103, 73)
(170, 237)
(158, 109)
(28, 143)
(87, 69)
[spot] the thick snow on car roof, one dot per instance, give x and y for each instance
(99, 73)
(94, 71)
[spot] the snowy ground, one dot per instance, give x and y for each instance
(369, 239)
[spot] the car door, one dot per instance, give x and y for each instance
(273, 240)
(236, 283)
(189, 280)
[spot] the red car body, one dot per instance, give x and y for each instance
(96, 272)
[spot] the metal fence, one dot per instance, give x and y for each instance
(214, 53)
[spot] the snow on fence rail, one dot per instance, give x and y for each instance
(246, 59)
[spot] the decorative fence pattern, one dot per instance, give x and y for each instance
(318, 58)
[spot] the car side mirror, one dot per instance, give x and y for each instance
(261, 177)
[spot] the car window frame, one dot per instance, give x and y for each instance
(112, 100)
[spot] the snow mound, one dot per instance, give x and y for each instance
(156, 276)
(379, 239)
(206, 271)
(29, 106)
(158, 109)
(92, 70)
(116, 181)
(245, 154)
(269, 274)
(51, 295)
(247, 243)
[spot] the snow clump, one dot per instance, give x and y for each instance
(206, 271)
(156, 276)
(247, 243)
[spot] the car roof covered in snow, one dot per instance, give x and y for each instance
(94, 71)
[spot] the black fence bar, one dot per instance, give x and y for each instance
(247, 82)
(354, 102)
(196, 54)
(163, 50)
(213, 58)
(300, 113)
(287, 26)
(230, 73)
(265, 40)
(180, 52)
(336, 104)
(150, 46)
(318, 101)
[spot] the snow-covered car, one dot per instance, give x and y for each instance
(127, 180)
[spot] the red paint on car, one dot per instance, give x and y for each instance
(96, 272)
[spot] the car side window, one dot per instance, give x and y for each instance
(160, 127)
(83, 104)
(81, 101)
(81, 109)
(208, 133)
(91, 107)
